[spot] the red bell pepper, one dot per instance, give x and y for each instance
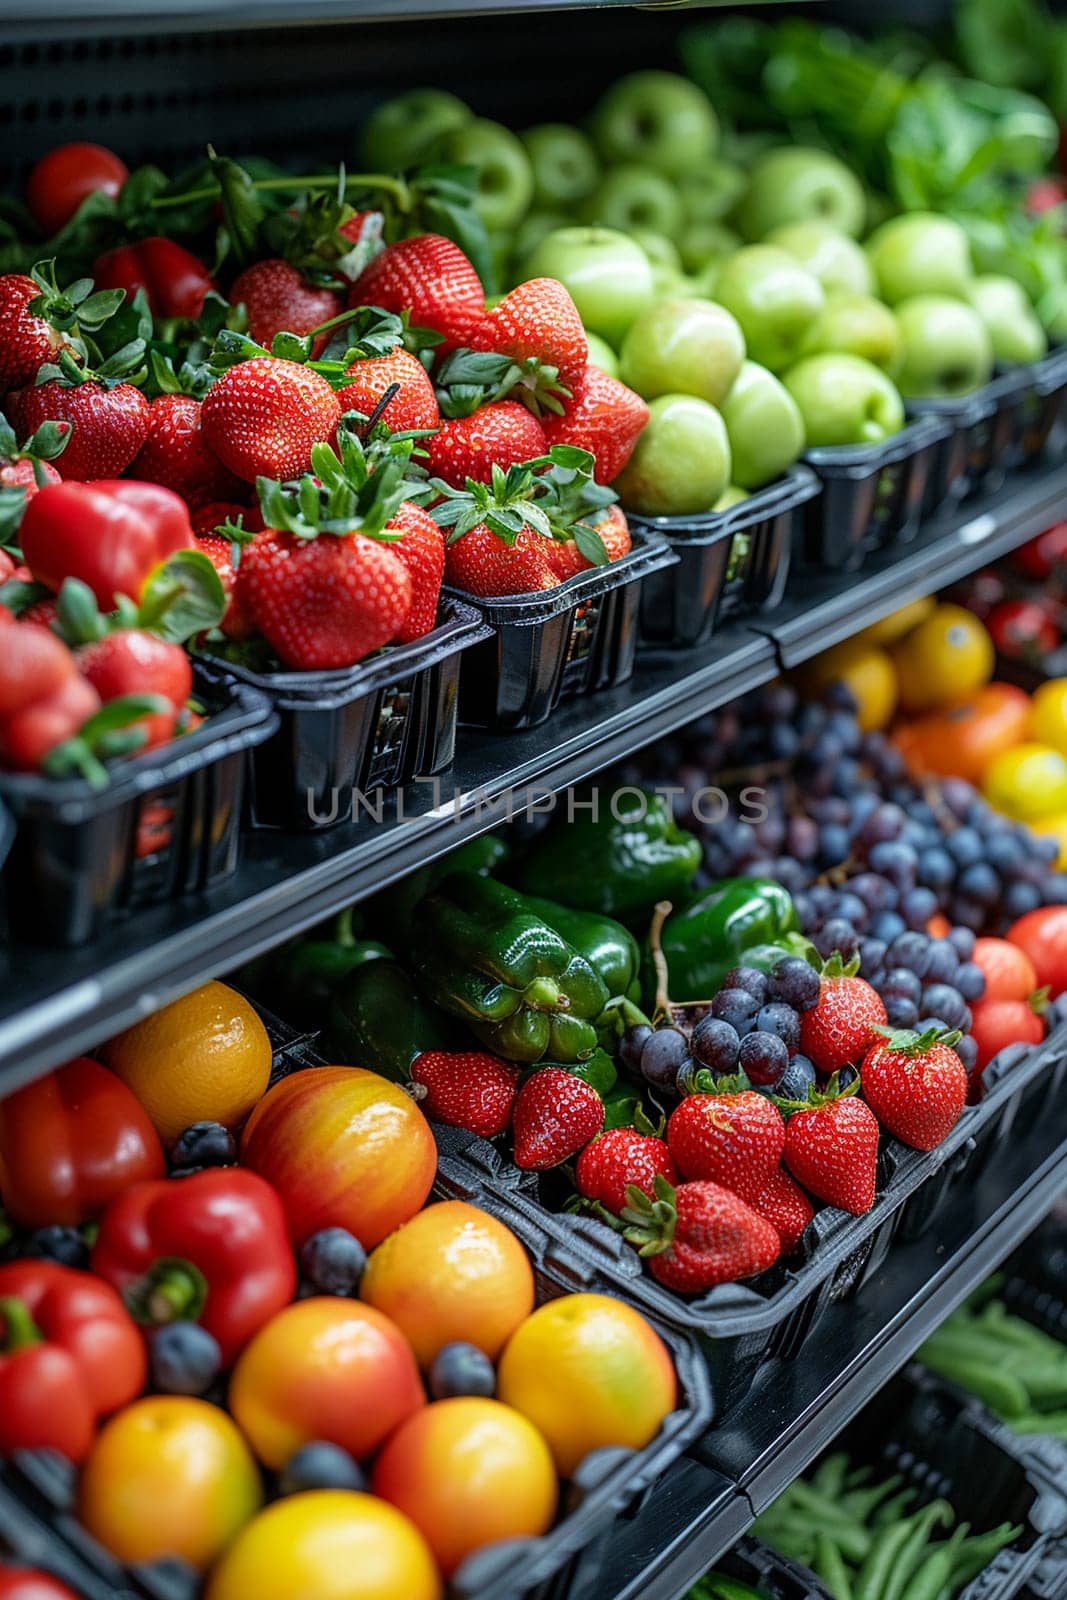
(69, 1355)
(110, 533)
(176, 283)
(211, 1248)
(71, 1142)
(29, 1583)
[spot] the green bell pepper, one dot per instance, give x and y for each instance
(610, 949)
(390, 912)
(716, 930)
(378, 1019)
(618, 868)
(481, 954)
(598, 1072)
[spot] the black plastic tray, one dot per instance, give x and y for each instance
(873, 496)
(361, 732)
(566, 642)
(772, 1574)
(168, 823)
(731, 564)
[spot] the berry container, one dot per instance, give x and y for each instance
(567, 642)
(731, 564)
(371, 727)
(873, 496)
(740, 1326)
(774, 1575)
(167, 824)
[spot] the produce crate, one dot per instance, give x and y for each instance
(168, 823)
(873, 496)
(372, 727)
(559, 645)
(731, 563)
(774, 1575)
(742, 1325)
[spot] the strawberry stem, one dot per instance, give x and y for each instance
(399, 190)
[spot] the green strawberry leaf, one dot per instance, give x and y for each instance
(590, 544)
(183, 597)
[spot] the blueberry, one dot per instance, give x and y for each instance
(737, 1007)
(942, 963)
(910, 950)
(917, 906)
(763, 1058)
(797, 1079)
(715, 1044)
(66, 1246)
(877, 894)
(837, 934)
(321, 1465)
(872, 955)
(460, 1369)
(333, 1261)
(1019, 898)
(963, 941)
(965, 846)
(902, 982)
(205, 1144)
(901, 1012)
(979, 883)
(750, 979)
(887, 925)
(936, 869)
(795, 983)
(184, 1358)
(967, 1050)
(782, 1021)
(945, 1001)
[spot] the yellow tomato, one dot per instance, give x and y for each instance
(1056, 825)
(867, 672)
(1027, 783)
(945, 659)
(898, 623)
(1048, 714)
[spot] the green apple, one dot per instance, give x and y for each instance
(706, 245)
(632, 196)
(1010, 319)
(765, 427)
(532, 229)
(775, 300)
(947, 348)
(732, 495)
(661, 251)
(681, 462)
(505, 176)
(836, 260)
(565, 167)
(658, 118)
(602, 355)
(856, 325)
(844, 400)
(402, 132)
(798, 184)
(609, 276)
(709, 194)
(920, 253)
(683, 347)
(669, 283)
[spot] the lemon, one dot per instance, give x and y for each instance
(1027, 783)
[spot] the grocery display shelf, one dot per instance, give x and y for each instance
(798, 1407)
(131, 16)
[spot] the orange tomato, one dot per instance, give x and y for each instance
(451, 1273)
(344, 1148)
(469, 1472)
(962, 741)
(1008, 971)
(324, 1368)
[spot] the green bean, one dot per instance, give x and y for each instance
(874, 1573)
(1001, 1391)
(922, 1526)
(1016, 1330)
(862, 1502)
(799, 1526)
(1046, 1384)
(860, 1476)
(830, 1476)
(1053, 1423)
(935, 1573)
(820, 1505)
(892, 1510)
(975, 1554)
(831, 1568)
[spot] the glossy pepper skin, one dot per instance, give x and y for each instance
(70, 1354)
(176, 283)
(70, 1142)
(111, 534)
(610, 949)
(619, 868)
(211, 1248)
(378, 1017)
(29, 1583)
(391, 912)
(481, 954)
(711, 934)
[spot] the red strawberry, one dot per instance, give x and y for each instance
(422, 550)
(785, 1205)
(483, 564)
(110, 424)
(565, 558)
(916, 1085)
(279, 299)
(499, 434)
(538, 319)
(699, 1235)
(352, 230)
(413, 406)
(237, 622)
(177, 455)
(617, 1159)
(467, 1090)
(840, 1027)
(262, 417)
(26, 341)
(603, 416)
(429, 277)
(831, 1147)
(20, 474)
(555, 1115)
(206, 519)
(735, 1139)
(132, 661)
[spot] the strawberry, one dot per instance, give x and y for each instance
(916, 1085)
(26, 341)
(732, 1138)
(470, 1090)
(537, 319)
(422, 550)
(784, 1204)
(278, 299)
(429, 277)
(352, 229)
(30, 467)
(109, 423)
(237, 622)
(565, 556)
(413, 406)
(603, 416)
(176, 454)
(699, 1235)
(262, 417)
(840, 1027)
(131, 661)
(831, 1146)
(208, 519)
(23, 474)
(555, 1115)
(484, 564)
(617, 1159)
(499, 434)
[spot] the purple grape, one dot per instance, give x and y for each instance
(750, 979)
(887, 926)
(904, 982)
(631, 1045)
(715, 1044)
(763, 1058)
(979, 883)
(797, 1079)
(917, 907)
(872, 955)
(877, 893)
(944, 1001)
(965, 846)
(901, 1012)
(963, 942)
(942, 962)
(910, 950)
(967, 1050)
(782, 1021)
(737, 1007)
(662, 1055)
(794, 982)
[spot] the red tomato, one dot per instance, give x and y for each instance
(1045, 555)
(1043, 935)
(1023, 630)
(27, 1583)
(1008, 971)
(1045, 194)
(997, 1023)
(66, 176)
(174, 280)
